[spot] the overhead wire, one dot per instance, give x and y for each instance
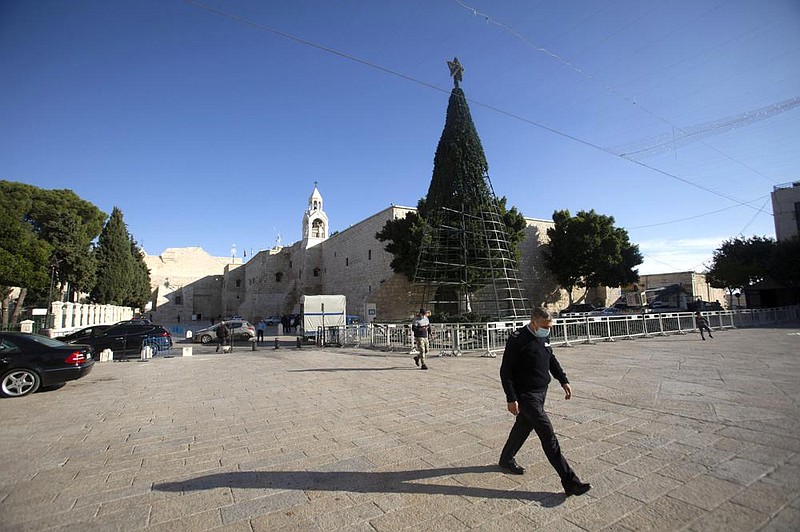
(604, 84)
(495, 109)
(701, 215)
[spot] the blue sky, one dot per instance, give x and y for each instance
(208, 129)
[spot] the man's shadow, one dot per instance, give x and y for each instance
(361, 482)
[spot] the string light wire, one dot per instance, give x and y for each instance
(509, 114)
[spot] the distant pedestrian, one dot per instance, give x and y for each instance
(421, 326)
(702, 324)
(222, 336)
(528, 361)
(262, 325)
(286, 321)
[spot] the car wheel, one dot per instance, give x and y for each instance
(205, 339)
(19, 382)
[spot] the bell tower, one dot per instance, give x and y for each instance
(315, 221)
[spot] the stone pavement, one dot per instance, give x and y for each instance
(674, 434)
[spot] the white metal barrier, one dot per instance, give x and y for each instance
(488, 339)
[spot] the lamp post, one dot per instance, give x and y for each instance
(53, 265)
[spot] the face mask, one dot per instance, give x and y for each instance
(541, 332)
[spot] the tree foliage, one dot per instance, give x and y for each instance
(741, 262)
(43, 229)
(588, 251)
(120, 267)
(403, 236)
(785, 262)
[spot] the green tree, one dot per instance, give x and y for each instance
(784, 264)
(140, 282)
(740, 262)
(115, 271)
(588, 251)
(64, 221)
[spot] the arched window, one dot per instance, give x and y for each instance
(317, 229)
(316, 272)
(278, 277)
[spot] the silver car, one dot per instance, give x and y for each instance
(238, 329)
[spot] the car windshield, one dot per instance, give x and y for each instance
(44, 340)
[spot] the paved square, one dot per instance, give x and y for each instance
(673, 432)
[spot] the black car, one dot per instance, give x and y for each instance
(30, 361)
(126, 338)
(80, 335)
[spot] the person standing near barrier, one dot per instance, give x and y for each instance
(702, 323)
(222, 335)
(528, 361)
(421, 326)
(262, 325)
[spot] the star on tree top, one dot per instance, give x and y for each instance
(456, 71)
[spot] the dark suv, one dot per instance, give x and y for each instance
(126, 338)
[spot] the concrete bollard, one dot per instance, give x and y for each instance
(106, 355)
(253, 343)
(146, 353)
(187, 351)
(299, 342)
(277, 345)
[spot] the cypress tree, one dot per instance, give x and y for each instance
(114, 263)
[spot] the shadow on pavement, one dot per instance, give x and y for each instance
(361, 482)
(392, 368)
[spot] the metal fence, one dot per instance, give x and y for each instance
(488, 339)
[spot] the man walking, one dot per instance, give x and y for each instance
(421, 326)
(702, 324)
(222, 336)
(528, 361)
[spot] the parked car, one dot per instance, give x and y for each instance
(607, 311)
(126, 338)
(83, 334)
(580, 308)
(29, 362)
(238, 329)
(272, 320)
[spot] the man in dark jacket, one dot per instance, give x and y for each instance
(528, 361)
(222, 335)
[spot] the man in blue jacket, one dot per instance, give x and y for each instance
(528, 361)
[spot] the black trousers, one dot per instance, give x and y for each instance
(260, 337)
(532, 417)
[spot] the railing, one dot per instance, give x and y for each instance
(488, 339)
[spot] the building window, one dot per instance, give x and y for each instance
(316, 272)
(278, 277)
(347, 261)
(797, 214)
(369, 254)
(290, 265)
(238, 283)
(179, 300)
(369, 288)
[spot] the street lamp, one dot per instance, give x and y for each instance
(53, 266)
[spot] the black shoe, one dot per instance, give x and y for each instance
(705, 339)
(577, 488)
(423, 366)
(512, 467)
(416, 361)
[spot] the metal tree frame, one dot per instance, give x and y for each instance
(466, 264)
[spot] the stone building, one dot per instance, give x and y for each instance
(786, 209)
(191, 284)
